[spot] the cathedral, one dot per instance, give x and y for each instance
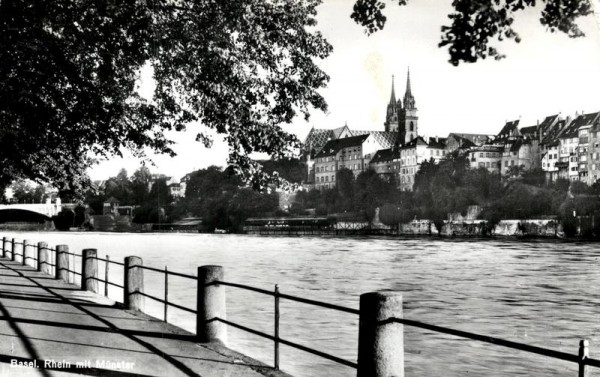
(401, 116)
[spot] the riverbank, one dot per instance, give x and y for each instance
(52, 327)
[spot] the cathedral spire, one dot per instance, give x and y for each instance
(408, 92)
(393, 97)
(409, 100)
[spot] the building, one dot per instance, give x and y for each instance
(386, 163)
(463, 142)
(353, 153)
(401, 115)
(176, 191)
(486, 156)
(413, 154)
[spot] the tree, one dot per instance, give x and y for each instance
(140, 185)
(118, 187)
(68, 79)
(476, 23)
(26, 192)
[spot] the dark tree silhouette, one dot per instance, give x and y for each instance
(475, 24)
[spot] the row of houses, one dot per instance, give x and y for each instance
(567, 148)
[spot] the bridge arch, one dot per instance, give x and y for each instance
(17, 215)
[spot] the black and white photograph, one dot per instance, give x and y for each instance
(300, 188)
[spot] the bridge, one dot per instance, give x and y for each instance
(14, 212)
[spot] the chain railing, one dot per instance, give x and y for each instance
(380, 315)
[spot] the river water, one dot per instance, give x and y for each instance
(540, 293)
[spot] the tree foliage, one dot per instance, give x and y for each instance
(69, 69)
(476, 24)
(218, 196)
(27, 192)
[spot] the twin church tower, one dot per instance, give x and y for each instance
(401, 115)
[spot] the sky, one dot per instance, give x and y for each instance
(547, 73)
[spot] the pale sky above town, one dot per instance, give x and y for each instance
(543, 75)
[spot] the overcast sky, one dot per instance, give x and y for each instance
(543, 75)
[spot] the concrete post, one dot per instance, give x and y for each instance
(62, 263)
(211, 305)
(89, 271)
(27, 253)
(13, 249)
(380, 341)
(134, 284)
(42, 257)
(19, 251)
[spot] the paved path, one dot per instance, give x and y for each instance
(44, 322)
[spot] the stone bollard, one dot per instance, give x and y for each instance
(134, 284)
(18, 251)
(27, 253)
(13, 248)
(89, 271)
(43, 258)
(211, 305)
(380, 342)
(62, 263)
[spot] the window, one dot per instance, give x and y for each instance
(326, 178)
(481, 154)
(487, 164)
(482, 164)
(505, 162)
(333, 178)
(487, 154)
(512, 162)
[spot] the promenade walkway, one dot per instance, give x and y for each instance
(51, 328)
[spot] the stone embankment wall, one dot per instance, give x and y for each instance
(475, 228)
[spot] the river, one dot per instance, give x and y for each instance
(540, 293)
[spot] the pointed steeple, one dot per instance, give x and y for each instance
(408, 92)
(393, 97)
(409, 100)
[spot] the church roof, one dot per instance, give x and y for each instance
(317, 137)
(332, 147)
(385, 139)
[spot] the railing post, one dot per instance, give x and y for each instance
(211, 305)
(106, 266)
(584, 353)
(89, 270)
(166, 293)
(42, 257)
(13, 249)
(62, 263)
(134, 284)
(27, 253)
(380, 340)
(18, 251)
(276, 330)
(4, 241)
